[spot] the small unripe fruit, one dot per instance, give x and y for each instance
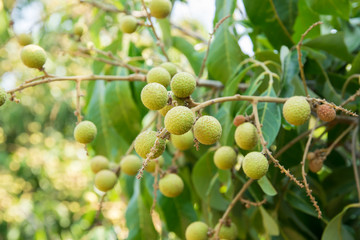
(315, 165)
(179, 120)
(183, 142)
(255, 165)
(145, 141)
(24, 39)
(225, 158)
(158, 75)
(296, 110)
(326, 113)
(79, 29)
(128, 24)
(310, 156)
(160, 8)
(130, 165)
(85, 132)
(183, 84)
(105, 180)
(197, 231)
(207, 130)
(171, 185)
(174, 100)
(240, 119)
(154, 96)
(3, 96)
(246, 136)
(170, 67)
(99, 163)
(152, 164)
(33, 56)
(228, 232)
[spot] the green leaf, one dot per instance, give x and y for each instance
(223, 8)
(299, 203)
(266, 186)
(339, 8)
(4, 33)
(335, 230)
(165, 30)
(271, 227)
(306, 17)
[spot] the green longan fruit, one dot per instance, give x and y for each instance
(145, 141)
(228, 232)
(33, 56)
(24, 39)
(158, 75)
(79, 29)
(197, 231)
(296, 110)
(128, 24)
(154, 96)
(171, 185)
(175, 100)
(152, 164)
(255, 165)
(170, 67)
(225, 158)
(183, 84)
(160, 8)
(246, 136)
(326, 113)
(207, 130)
(179, 120)
(130, 165)
(183, 142)
(3, 96)
(105, 180)
(99, 163)
(85, 132)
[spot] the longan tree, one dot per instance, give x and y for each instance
(198, 139)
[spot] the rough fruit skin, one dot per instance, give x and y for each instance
(255, 165)
(225, 157)
(151, 165)
(311, 156)
(246, 136)
(197, 231)
(145, 141)
(85, 132)
(207, 130)
(154, 96)
(179, 120)
(3, 96)
(183, 84)
(171, 185)
(228, 232)
(160, 8)
(105, 180)
(130, 165)
(240, 119)
(170, 67)
(183, 142)
(158, 75)
(99, 163)
(175, 101)
(326, 113)
(128, 24)
(296, 110)
(33, 56)
(315, 165)
(24, 39)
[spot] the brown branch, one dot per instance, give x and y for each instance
(249, 203)
(340, 108)
(347, 82)
(337, 140)
(351, 98)
(103, 6)
(177, 154)
(353, 157)
(96, 218)
(189, 33)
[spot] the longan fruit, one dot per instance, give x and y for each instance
(197, 231)
(105, 180)
(246, 136)
(144, 143)
(179, 120)
(225, 158)
(183, 84)
(171, 185)
(207, 130)
(158, 75)
(184, 141)
(85, 132)
(152, 164)
(326, 113)
(99, 163)
(228, 232)
(3, 96)
(24, 39)
(33, 56)
(128, 24)
(154, 96)
(296, 110)
(255, 165)
(170, 67)
(160, 8)
(130, 164)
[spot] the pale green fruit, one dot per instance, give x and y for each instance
(3, 96)
(183, 142)
(255, 165)
(154, 96)
(170, 67)
(158, 75)
(175, 100)
(171, 185)
(145, 141)
(79, 29)
(85, 132)
(296, 110)
(160, 8)
(24, 39)
(207, 130)
(99, 163)
(183, 84)
(105, 180)
(33, 56)
(225, 157)
(179, 120)
(246, 136)
(197, 231)
(128, 24)
(228, 232)
(130, 165)
(152, 164)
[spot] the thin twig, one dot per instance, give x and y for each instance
(249, 203)
(347, 82)
(96, 218)
(323, 101)
(337, 140)
(353, 157)
(189, 33)
(351, 98)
